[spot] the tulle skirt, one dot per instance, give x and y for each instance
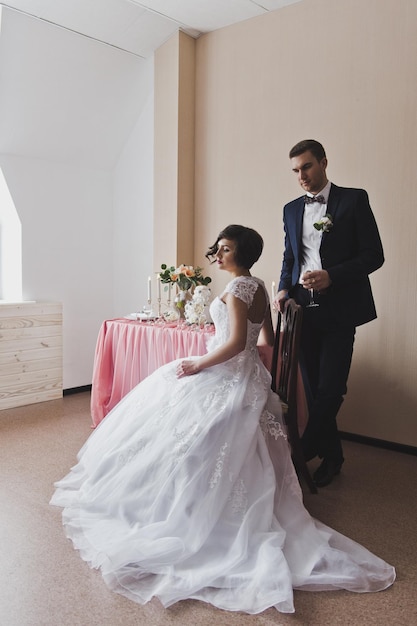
(187, 490)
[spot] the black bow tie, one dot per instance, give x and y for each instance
(311, 199)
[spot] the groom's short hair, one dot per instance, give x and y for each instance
(314, 146)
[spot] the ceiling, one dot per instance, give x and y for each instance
(76, 75)
(139, 27)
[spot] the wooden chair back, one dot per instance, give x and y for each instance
(284, 373)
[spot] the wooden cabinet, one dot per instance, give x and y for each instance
(30, 353)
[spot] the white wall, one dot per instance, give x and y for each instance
(76, 128)
(133, 211)
(66, 215)
(87, 239)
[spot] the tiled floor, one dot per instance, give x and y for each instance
(43, 581)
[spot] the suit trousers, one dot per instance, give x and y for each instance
(325, 359)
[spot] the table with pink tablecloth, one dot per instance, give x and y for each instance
(127, 351)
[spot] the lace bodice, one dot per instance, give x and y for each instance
(243, 287)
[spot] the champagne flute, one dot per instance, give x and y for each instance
(312, 302)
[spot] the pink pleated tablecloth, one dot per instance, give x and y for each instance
(127, 351)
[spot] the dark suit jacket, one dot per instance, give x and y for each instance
(350, 251)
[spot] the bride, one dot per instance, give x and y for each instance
(187, 489)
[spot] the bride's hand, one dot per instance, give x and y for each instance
(187, 368)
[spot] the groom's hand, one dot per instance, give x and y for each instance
(319, 280)
(279, 302)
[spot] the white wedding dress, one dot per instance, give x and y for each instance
(187, 490)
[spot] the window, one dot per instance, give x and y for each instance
(10, 246)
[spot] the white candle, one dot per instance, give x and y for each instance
(273, 294)
(149, 288)
(159, 287)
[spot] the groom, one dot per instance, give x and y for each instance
(332, 244)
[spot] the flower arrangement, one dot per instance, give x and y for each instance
(325, 224)
(185, 276)
(196, 310)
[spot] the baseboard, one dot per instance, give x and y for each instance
(68, 392)
(379, 443)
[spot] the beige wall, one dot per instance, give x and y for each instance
(344, 73)
(174, 151)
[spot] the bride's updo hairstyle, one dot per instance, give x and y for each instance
(249, 245)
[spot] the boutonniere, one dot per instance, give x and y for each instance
(325, 224)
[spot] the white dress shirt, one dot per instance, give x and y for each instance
(311, 237)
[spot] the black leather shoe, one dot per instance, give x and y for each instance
(325, 473)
